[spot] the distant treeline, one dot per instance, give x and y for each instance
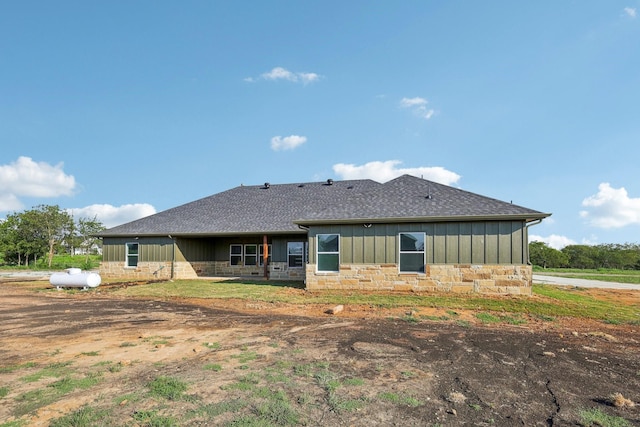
(618, 256)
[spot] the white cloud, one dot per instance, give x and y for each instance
(413, 102)
(287, 143)
(418, 106)
(611, 208)
(388, 170)
(553, 241)
(630, 12)
(26, 178)
(110, 216)
(279, 73)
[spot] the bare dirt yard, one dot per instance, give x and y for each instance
(92, 358)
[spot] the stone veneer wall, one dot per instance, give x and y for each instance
(147, 271)
(457, 278)
(193, 270)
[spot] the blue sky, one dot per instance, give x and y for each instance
(121, 109)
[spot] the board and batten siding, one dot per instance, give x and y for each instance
(485, 242)
(151, 249)
(159, 249)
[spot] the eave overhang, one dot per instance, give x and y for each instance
(462, 218)
(204, 234)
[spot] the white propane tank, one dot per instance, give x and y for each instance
(75, 278)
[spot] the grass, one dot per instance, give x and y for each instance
(547, 301)
(602, 274)
(13, 368)
(167, 387)
(52, 370)
(595, 417)
(152, 418)
(83, 417)
(399, 399)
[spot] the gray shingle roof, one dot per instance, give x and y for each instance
(409, 198)
(279, 208)
(244, 209)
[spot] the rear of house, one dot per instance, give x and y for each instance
(406, 234)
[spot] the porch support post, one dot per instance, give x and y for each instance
(265, 256)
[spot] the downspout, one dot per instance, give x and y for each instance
(526, 227)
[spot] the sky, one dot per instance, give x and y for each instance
(118, 109)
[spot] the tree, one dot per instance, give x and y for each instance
(581, 256)
(85, 231)
(54, 224)
(542, 255)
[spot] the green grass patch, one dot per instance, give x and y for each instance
(550, 301)
(127, 398)
(33, 400)
(215, 367)
(487, 318)
(13, 368)
(167, 387)
(90, 353)
(152, 418)
(602, 274)
(246, 356)
(83, 417)
(4, 391)
(212, 410)
(595, 417)
(53, 370)
(68, 384)
(212, 345)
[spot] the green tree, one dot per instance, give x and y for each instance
(21, 238)
(581, 256)
(86, 230)
(53, 224)
(542, 255)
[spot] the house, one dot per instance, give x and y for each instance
(405, 234)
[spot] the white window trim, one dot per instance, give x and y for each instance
(318, 253)
(400, 251)
(126, 255)
(248, 255)
(305, 254)
(231, 254)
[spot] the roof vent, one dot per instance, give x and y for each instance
(267, 185)
(300, 185)
(329, 181)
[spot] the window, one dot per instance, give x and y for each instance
(132, 254)
(235, 257)
(296, 254)
(261, 255)
(412, 258)
(250, 254)
(328, 246)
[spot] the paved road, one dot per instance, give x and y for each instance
(582, 283)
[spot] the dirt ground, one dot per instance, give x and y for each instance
(364, 366)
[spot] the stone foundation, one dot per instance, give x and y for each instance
(146, 271)
(194, 270)
(457, 278)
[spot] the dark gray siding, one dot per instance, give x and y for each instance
(487, 242)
